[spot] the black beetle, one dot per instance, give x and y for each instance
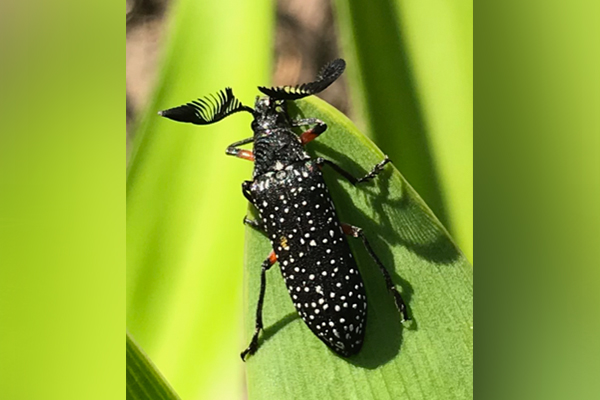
(297, 213)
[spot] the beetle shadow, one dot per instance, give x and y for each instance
(384, 331)
(419, 232)
(271, 330)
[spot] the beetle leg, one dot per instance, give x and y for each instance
(313, 132)
(358, 233)
(254, 224)
(246, 191)
(253, 346)
(374, 171)
(233, 150)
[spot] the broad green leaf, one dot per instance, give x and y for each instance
(431, 357)
(144, 381)
(184, 204)
(410, 66)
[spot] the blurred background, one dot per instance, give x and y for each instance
(61, 247)
(307, 36)
(408, 87)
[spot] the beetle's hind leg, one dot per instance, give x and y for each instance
(266, 265)
(358, 233)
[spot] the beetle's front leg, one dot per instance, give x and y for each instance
(233, 150)
(372, 174)
(312, 133)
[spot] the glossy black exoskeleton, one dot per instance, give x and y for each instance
(297, 213)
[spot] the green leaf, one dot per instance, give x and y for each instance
(184, 203)
(410, 65)
(144, 381)
(430, 358)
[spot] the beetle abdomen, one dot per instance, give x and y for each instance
(314, 257)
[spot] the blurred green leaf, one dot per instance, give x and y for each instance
(184, 207)
(144, 381)
(410, 65)
(429, 359)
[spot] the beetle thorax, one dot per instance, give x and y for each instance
(275, 144)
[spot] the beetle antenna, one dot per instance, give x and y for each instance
(328, 74)
(207, 110)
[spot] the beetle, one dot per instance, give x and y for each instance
(296, 212)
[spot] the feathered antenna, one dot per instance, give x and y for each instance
(207, 110)
(326, 77)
